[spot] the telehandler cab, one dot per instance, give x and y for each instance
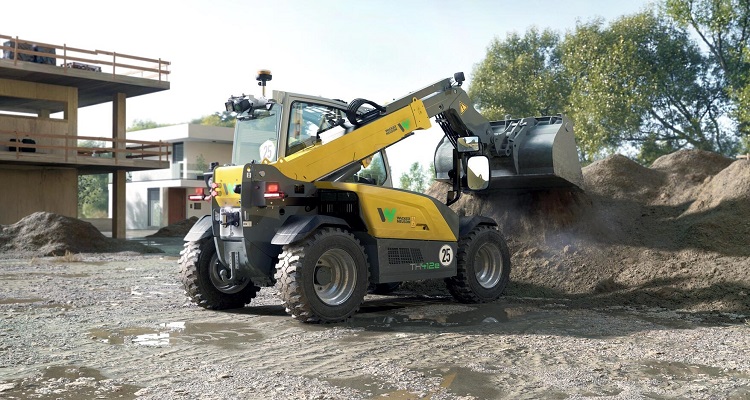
(306, 204)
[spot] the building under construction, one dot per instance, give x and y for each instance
(42, 86)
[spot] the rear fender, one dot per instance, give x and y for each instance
(298, 227)
(201, 230)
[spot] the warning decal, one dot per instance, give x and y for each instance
(462, 107)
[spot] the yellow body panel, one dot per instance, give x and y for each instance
(397, 214)
(320, 160)
(226, 179)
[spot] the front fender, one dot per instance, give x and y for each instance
(201, 230)
(467, 224)
(297, 227)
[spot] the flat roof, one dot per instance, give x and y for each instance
(93, 87)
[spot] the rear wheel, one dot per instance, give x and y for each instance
(323, 278)
(206, 279)
(483, 266)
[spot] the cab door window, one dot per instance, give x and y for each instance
(373, 171)
(309, 122)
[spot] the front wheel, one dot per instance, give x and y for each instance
(483, 266)
(206, 279)
(323, 278)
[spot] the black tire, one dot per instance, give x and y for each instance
(483, 266)
(200, 275)
(323, 278)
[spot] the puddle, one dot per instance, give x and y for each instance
(67, 383)
(465, 382)
(688, 372)
(458, 381)
(171, 246)
(418, 312)
(230, 335)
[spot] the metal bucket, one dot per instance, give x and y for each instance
(527, 154)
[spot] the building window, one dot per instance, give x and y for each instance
(178, 152)
(154, 207)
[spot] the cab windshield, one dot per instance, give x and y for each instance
(256, 136)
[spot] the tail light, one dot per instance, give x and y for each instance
(199, 195)
(273, 191)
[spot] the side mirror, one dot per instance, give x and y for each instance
(467, 144)
(478, 173)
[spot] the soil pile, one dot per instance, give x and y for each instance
(48, 234)
(674, 235)
(178, 229)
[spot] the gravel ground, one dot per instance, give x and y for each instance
(119, 326)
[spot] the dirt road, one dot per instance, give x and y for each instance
(119, 326)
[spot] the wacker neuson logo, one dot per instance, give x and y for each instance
(388, 215)
(403, 125)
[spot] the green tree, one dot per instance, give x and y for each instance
(141, 124)
(93, 196)
(223, 118)
(724, 27)
(93, 193)
(642, 81)
(417, 178)
(521, 76)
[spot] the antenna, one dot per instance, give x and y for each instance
(264, 75)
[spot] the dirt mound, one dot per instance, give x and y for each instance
(619, 177)
(685, 173)
(719, 218)
(47, 234)
(178, 229)
(673, 235)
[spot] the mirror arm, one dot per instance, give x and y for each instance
(455, 194)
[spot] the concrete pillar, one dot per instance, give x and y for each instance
(118, 177)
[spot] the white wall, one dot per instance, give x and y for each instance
(214, 143)
(205, 207)
(221, 152)
(136, 194)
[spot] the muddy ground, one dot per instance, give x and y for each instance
(636, 287)
(119, 326)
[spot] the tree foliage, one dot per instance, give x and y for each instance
(141, 124)
(641, 83)
(93, 196)
(93, 193)
(724, 28)
(418, 178)
(521, 76)
(223, 118)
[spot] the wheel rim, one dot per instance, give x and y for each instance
(219, 274)
(335, 277)
(488, 265)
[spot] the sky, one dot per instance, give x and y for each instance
(378, 50)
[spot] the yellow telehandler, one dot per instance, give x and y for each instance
(306, 203)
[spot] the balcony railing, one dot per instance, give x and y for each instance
(63, 148)
(20, 50)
